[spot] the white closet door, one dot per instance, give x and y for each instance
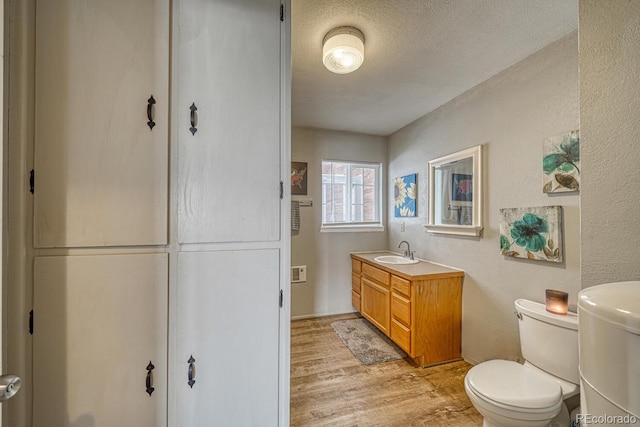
(227, 309)
(228, 61)
(100, 171)
(98, 322)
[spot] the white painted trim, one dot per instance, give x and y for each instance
(284, 376)
(351, 228)
(460, 230)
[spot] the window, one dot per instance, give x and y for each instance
(351, 194)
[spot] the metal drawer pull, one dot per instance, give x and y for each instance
(193, 109)
(192, 371)
(149, 381)
(150, 103)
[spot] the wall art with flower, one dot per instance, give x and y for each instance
(532, 233)
(561, 163)
(299, 178)
(405, 192)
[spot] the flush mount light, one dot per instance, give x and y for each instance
(343, 50)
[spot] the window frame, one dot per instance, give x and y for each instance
(350, 225)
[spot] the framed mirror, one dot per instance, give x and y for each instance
(455, 193)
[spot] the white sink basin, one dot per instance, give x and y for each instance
(395, 259)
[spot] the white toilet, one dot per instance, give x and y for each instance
(609, 352)
(507, 393)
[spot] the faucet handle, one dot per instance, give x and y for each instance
(411, 255)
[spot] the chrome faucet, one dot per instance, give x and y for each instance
(407, 252)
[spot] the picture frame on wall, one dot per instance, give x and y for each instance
(533, 233)
(299, 178)
(405, 193)
(561, 163)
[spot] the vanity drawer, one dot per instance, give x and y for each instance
(376, 274)
(356, 265)
(401, 285)
(355, 300)
(355, 283)
(401, 309)
(401, 335)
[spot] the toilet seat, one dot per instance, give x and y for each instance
(515, 390)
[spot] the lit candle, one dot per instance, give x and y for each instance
(557, 301)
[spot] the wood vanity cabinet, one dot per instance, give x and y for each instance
(418, 306)
(356, 274)
(375, 295)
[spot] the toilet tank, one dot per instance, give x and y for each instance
(549, 341)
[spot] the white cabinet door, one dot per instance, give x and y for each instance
(228, 64)
(100, 170)
(227, 309)
(98, 322)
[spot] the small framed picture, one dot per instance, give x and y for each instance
(462, 187)
(299, 178)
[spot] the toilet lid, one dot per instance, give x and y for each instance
(510, 383)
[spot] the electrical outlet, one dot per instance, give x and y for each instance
(402, 227)
(299, 274)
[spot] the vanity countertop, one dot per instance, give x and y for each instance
(419, 271)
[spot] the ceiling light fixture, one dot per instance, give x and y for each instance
(343, 50)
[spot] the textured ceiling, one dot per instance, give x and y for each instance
(419, 54)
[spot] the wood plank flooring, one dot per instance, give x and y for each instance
(329, 387)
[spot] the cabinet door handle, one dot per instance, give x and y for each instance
(193, 110)
(192, 371)
(149, 381)
(150, 103)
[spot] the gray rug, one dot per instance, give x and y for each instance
(366, 342)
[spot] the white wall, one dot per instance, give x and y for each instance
(610, 113)
(510, 114)
(326, 255)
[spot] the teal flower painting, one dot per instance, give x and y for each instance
(532, 233)
(561, 163)
(404, 194)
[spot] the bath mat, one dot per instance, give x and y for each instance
(366, 342)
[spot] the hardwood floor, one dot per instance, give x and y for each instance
(329, 387)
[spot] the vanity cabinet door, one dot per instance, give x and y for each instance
(227, 338)
(101, 171)
(100, 340)
(374, 304)
(230, 90)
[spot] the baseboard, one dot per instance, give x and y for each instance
(316, 315)
(469, 360)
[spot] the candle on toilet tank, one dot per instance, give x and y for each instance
(557, 301)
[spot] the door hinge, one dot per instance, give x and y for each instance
(32, 180)
(281, 190)
(281, 13)
(31, 322)
(281, 298)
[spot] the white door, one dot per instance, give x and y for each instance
(9, 383)
(100, 169)
(227, 336)
(100, 341)
(228, 68)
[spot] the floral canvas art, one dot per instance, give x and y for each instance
(532, 233)
(561, 163)
(299, 178)
(405, 191)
